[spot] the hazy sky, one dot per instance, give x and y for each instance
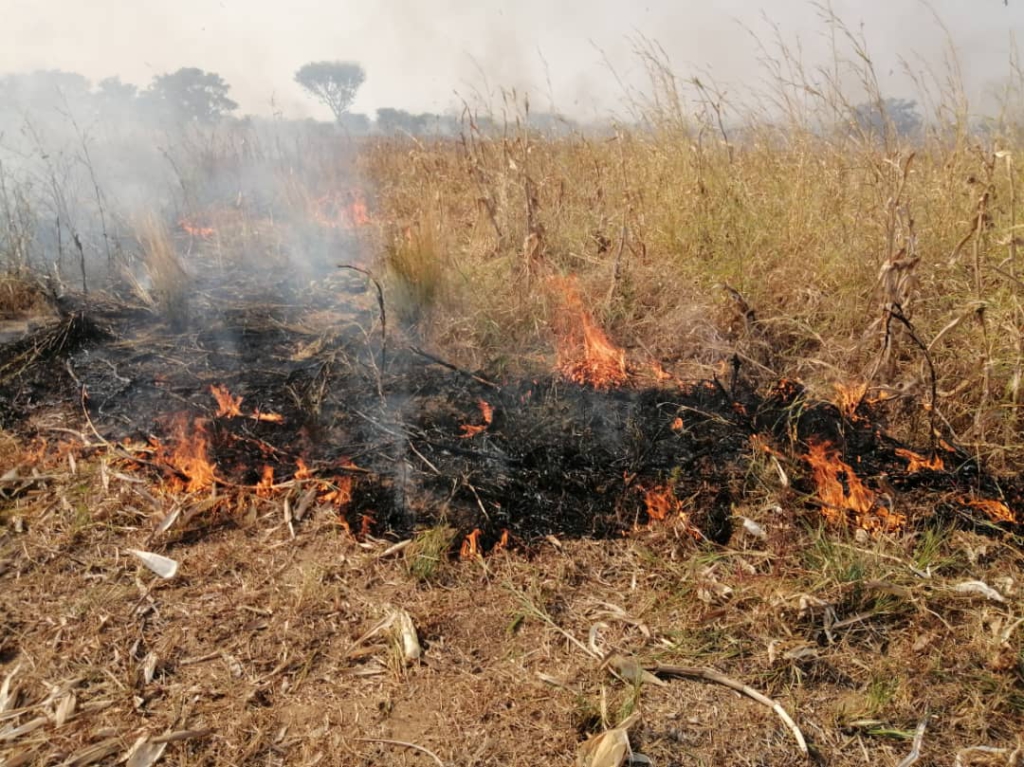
(418, 54)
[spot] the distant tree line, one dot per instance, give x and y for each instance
(189, 94)
(192, 95)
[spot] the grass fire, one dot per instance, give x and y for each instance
(689, 433)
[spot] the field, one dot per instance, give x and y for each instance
(756, 384)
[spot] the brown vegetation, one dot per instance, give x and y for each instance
(787, 242)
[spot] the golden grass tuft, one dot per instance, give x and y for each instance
(169, 282)
(427, 559)
(20, 296)
(414, 263)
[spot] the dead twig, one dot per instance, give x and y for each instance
(383, 321)
(403, 744)
(710, 675)
(453, 368)
(617, 264)
(915, 750)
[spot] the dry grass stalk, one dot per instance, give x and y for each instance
(168, 281)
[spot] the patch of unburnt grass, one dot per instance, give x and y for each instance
(21, 295)
(428, 558)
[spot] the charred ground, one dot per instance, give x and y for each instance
(403, 441)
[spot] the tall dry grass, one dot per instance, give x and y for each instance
(167, 284)
(785, 231)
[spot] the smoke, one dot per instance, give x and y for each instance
(417, 53)
(86, 147)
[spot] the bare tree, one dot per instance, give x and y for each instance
(332, 82)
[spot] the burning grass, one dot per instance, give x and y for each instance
(748, 405)
(788, 249)
(470, 506)
(586, 354)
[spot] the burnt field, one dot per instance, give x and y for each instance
(278, 389)
(380, 556)
(691, 438)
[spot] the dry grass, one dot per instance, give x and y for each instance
(167, 283)
(796, 243)
(259, 646)
(21, 296)
(654, 225)
(830, 231)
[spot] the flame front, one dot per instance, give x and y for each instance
(849, 397)
(195, 230)
(470, 548)
(230, 406)
(333, 211)
(917, 462)
(842, 492)
(265, 487)
(996, 510)
(661, 502)
(340, 493)
(502, 543)
(599, 363)
(190, 455)
(487, 413)
(659, 372)
(258, 415)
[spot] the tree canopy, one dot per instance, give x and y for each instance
(334, 83)
(190, 94)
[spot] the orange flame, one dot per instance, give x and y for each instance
(195, 230)
(659, 372)
(265, 487)
(332, 211)
(230, 406)
(917, 462)
(849, 397)
(601, 364)
(341, 492)
(357, 212)
(302, 471)
(677, 424)
(487, 412)
(661, 502)
(267, 417)
(502, 543)
(842, 491)
(996, 510)
(189, 455)
(470, 548)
